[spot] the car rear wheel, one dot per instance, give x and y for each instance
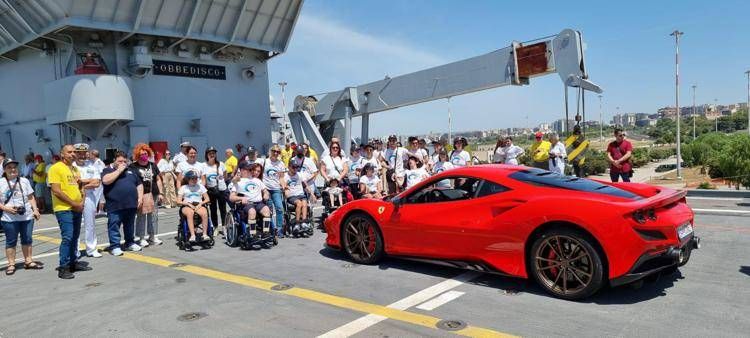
(361, 239)
(565, 263)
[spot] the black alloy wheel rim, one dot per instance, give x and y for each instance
(360, 238)
(563, 264)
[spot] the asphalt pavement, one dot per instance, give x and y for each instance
(301, 289)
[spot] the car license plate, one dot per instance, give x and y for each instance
(684, 231)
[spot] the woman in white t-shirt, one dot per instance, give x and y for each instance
(369, 183)
(498, 155)
(193, 197)
(334, 165)
(214, 171)
(441, 165)
(511, 151)
(248, 190)
(273, 177)
(460, 157)
(19, 212)
(416, 172)
(191, 164)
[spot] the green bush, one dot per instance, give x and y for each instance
(640, 157)
(596, 163)
(661, 153)
(706, 185)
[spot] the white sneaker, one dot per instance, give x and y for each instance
(117, 252)
(155, 241)
(143, 243)
(134, 247)
(94, 254)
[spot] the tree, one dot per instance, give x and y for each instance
(734, 160)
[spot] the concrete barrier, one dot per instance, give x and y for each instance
(718, 193)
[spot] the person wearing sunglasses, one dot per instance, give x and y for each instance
(273, 177)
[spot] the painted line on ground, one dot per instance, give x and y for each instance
(434, 303)
(733, 199)
(369, 320)
(46, 229)
(312, 295)
(80, 247)
(724, 211)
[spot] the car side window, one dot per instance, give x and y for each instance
(490, 188)
(463, 188)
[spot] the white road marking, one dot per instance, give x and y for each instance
(364, 322)
(729, 211)
(55, 253)
(46, 229)
(715, 198)
(434, 303)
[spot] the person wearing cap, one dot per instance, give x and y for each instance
(168, 180)
(193, 197)
(248, 190)
(252, 156)
(307, 167)
(183, 155)
(190, 164)
(557, 155)
(273, 177)
(90, 178)
(540, 152)
(294, 191)
(146, 218)
(216, 187)
(123, 192)
(39, 178)
(415, 173)
(458, 156)
(18, 214)
(392, 161)
(67, 203)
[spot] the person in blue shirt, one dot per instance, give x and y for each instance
(123, 192)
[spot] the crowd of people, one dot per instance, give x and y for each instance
(130, 189)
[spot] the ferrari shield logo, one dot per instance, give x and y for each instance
(381, 209)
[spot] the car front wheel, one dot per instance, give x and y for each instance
(361, 239)
(565, 263)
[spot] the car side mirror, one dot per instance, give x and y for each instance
(397, 202)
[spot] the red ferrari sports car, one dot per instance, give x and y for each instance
(571, 235)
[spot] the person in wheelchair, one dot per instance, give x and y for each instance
(369, 183)
(192, 197)
(296, 192)
(249, 192)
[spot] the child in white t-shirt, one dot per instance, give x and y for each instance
(193, 197)
(369, 183)
(416, 172)
(335, 193)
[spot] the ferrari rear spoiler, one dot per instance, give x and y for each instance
(663, 198)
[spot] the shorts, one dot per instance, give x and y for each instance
(253, 205)
(39, 189)
(15, 229)
(293, 199)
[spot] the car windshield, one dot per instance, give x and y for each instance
(545, 178)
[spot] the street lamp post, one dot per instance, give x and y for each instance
(716, 109)
(283, 109)
(748, 100)
(677, 35)
(694, 112)
(601, 122)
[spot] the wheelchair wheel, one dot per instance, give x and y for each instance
(232, 230)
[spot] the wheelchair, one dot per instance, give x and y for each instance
(183, 233)
(290, 219)
(239, 232)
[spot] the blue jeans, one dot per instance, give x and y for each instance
(616, 176)
(277, 199)
(13, 229)
(126, 217)
(70, 229)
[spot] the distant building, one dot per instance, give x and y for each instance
(625, 120)
(560, 127)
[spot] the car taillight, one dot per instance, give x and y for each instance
(651, 214)
(639, 216)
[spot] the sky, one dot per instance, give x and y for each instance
(629, 53)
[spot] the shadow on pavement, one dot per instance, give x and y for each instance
(745, 270)
(652, 287)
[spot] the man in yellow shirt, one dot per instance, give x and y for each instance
(39, 176)
(540, 152)
(230, 164)
(67, 203)
(287, 153)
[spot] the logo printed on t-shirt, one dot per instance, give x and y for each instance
(250, 187)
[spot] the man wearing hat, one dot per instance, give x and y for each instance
(540, 151)
(393, 160)
(182, 156)
(67, 203)
(90, 178)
